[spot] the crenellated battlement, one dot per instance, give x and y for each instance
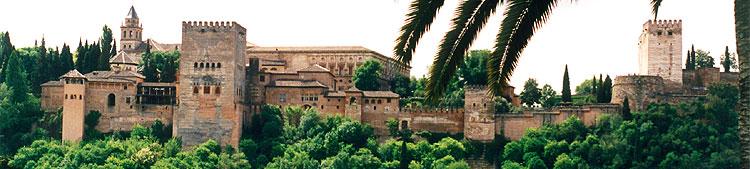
(447, 111)
(211, 26)
(663, 23)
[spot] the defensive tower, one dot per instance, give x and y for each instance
(74, 89)
(659, 51)
(211, 78)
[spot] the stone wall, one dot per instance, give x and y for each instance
(639, 89)
(434, 120)
(52, 97)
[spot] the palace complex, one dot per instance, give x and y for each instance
(223, 80)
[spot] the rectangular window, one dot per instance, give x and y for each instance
(127, 100)
(262, 78)
(282, 98)
(389, 101)
(206, 90)
(218, 90)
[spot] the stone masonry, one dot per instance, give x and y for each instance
(211, 83)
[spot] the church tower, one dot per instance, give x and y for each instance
(211, 83)
(660, 51)
(74, 88)
(131, 31)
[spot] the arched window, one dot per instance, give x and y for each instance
(273, 69)
(124, 33)
(111, 100)
(195, 89)
(218, 65)
(352, 100)
(201, 65)
(217, 90)
(206, 90)
(195, 65)
(213, 65)
(130, 34)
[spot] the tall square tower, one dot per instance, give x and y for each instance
(660, 51)
(211, 78)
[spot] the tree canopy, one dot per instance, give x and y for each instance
(366, 76)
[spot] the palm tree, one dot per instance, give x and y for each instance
(522, 19)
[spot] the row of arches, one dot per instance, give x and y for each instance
(74, 96)
(206, 65)
(207, 89)
(130, 34)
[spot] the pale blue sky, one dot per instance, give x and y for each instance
(592, 36)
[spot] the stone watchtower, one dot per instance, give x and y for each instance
(131, 32)
(479, 116)
(74, 89)
(660, 51)
(211, 78)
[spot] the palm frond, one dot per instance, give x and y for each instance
(533, 14)
(470, 18)
(655, 4)
(418, 21)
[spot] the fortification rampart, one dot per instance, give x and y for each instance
(434, 120)
(639, 89)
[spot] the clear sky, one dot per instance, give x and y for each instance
(591, 36)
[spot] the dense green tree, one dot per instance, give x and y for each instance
(601, 90)
(160, 66)
(566, 96)
(66, 61)
(474, 69)
(401, 85)
(703, 59)
(548, 97)
(531, 93)
(728, 61)
(366, 76)
(585, 88)
(595, 86)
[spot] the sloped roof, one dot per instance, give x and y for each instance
(297, 83)
(112, 74)
(52, 83)
(353, 89)
(309, 49)
(314, 68)
(386, 94)
(123, 58)
(132, 14)
(73, 74)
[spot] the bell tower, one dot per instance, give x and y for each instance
(131, 30)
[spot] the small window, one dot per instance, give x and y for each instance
(80, 97)
(127, 100)
(217, 90)
(374, 107)
(206, 90)
(262, 78)
(218, 65)
(669, 33)
(282, 98)
(337, 107)
(125, 87)
(111, 100)
(201, 65)
(213, 65)
(195, 65)
(321, 107)
(273, 69)
(380, 101)
(195, 89)
(388, 101)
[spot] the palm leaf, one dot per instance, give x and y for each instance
(655, 4)
(470, 18)
(418, 21)
(532, 14)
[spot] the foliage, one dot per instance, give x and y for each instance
(91, 120)
(474, 69)
(585, 88)
(401, 85)
(160, 66)
(531, 93)
(107, 50)
(626, 114)
(690, 135)
(19, 110)
(366, 76)
(703, 59)
(549, 97)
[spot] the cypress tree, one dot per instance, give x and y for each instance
(727, 62)
(6, 49)
(94, 54)
(692, 58)
(626, 115)
(688, 61)
(607, 90)
(600, 91)
(566, 86)
(66, 59)
(105, 49)
(594, 87)
(15, 78)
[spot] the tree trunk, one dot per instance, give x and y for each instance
(742, 29)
